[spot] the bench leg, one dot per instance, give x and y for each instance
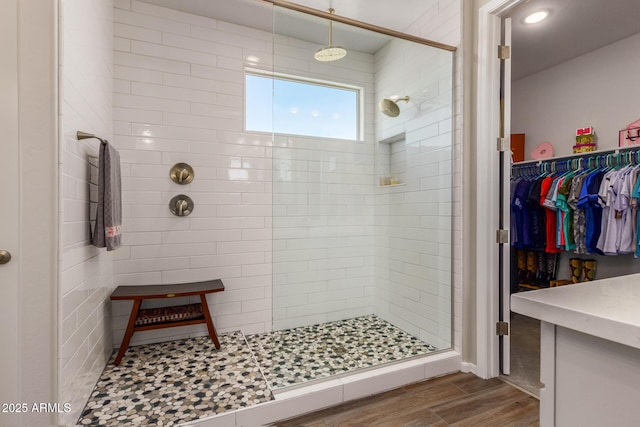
(207, 318)
(129, 332)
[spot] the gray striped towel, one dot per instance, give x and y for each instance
(108, 228)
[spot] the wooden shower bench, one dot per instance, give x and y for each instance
(166, 317)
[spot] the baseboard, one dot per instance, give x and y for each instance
(469, 367)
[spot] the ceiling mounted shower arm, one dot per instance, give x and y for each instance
(330, 52)
(331, 11)
(330, 33)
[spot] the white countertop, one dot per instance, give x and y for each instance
(607, 308)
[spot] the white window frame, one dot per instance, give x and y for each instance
(359, 90)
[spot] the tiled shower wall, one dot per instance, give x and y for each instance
(178, 97)
(414, 238)
(86, 90)
(323, 204)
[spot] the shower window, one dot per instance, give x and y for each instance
(297, 106)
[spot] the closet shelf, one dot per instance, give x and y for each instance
(578, 155)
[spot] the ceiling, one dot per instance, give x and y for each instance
(575, 27)
(258, 14)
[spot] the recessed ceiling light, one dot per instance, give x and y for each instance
(536, 17)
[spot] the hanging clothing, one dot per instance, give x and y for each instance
(629, 229)
(579, 223)
(546, 194)
(593, 211)
(565, 225)
(536, 217)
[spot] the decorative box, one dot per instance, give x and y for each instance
(585, 140)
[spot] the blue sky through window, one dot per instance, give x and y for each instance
(300, 108)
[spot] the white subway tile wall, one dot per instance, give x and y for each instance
(86, 91)
(414, 225)
(178, 97)
(323, 205)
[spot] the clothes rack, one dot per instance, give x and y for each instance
(613, 157)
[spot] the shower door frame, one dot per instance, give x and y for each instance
(359, 24)
(418, 40)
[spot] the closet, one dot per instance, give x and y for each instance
(591, 88)
(576, 212)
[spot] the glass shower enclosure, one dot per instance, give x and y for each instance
(362, 199)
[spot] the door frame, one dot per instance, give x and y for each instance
(9, 224)
(36, 147)
(487, 181)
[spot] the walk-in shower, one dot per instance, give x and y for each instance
(361, 227)
(328, 221)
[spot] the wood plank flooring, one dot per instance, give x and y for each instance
(454, 400)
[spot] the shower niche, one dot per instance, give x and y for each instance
(391, 158)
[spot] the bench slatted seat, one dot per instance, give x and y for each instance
(166, 317)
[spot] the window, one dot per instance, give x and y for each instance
(299, 106)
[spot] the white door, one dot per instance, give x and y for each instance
(9, 215)
(505, 165)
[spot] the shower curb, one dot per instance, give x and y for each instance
(305, 399)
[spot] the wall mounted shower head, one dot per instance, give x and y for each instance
(390, 108)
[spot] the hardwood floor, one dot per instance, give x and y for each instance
(453, 400)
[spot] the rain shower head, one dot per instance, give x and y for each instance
(330, 52)
(390, 108)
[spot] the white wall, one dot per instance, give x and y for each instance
(599, 89)
(323, 204)
(413, 221)
(86, 86)
(178, 97)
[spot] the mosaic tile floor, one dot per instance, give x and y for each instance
(173, 382)
(297, 355)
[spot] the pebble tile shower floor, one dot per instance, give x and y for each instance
(173, 382)
(297, 355)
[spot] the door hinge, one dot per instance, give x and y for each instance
(504, 52)
(503, 144)
(502, 236)
(502, 328)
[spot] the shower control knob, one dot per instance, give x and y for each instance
(5, 257)
(181, 173)
(181, 205)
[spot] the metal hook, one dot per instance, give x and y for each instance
(84, 135)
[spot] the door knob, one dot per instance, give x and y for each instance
(5, 257)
